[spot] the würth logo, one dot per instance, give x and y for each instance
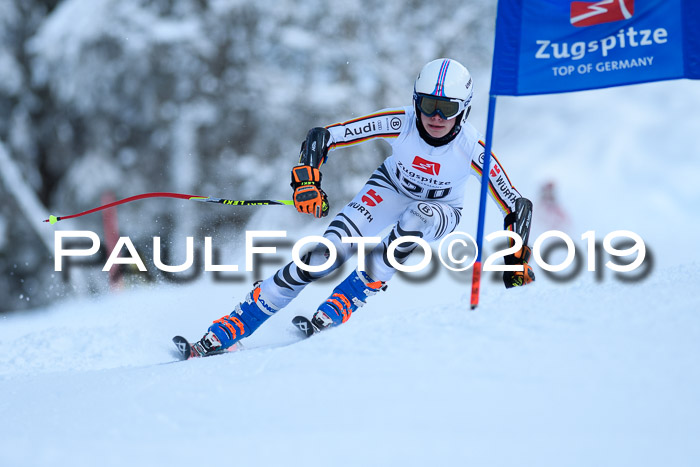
(432, 168)
(605, 11)
(372, 198)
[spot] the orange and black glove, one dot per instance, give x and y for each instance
(517, 278)
(309, 198)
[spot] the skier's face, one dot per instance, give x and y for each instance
(436, 126)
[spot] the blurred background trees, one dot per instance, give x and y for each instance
(206, 97)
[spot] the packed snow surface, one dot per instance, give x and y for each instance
(586, 374)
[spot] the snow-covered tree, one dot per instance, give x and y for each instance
(207, 97)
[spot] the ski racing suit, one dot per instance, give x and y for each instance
(418, 190)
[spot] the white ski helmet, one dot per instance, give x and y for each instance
(443, 87)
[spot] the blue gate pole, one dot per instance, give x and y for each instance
(485, 168)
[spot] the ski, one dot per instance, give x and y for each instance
(187, 352)
(304, 325)
(183, 346)
(185, 349)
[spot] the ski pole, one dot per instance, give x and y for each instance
(203, 199)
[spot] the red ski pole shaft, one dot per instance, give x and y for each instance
(206, 199)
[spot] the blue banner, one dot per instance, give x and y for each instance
(547, 46)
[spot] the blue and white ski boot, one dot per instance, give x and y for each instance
(347, 297)
(246, 317)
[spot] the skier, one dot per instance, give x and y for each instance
(551, 215)
(418, 190)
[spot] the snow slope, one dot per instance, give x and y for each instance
(584, 373)
(588, 374)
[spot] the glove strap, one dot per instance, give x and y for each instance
(305, 175)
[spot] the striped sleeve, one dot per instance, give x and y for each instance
(500, 189)
(385, 124)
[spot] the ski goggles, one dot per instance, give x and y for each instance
(442, 106)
